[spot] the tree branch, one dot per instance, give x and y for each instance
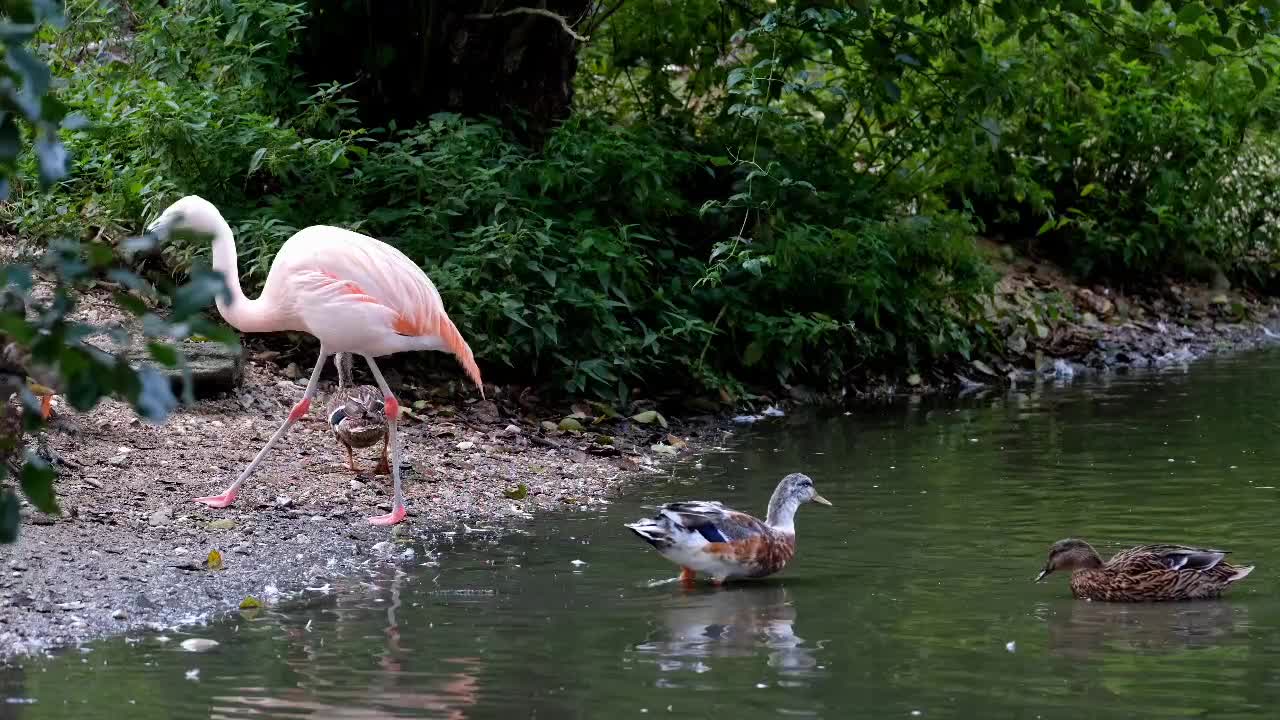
(531, 11)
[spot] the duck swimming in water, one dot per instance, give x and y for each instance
(1144, 573)
(709, 538)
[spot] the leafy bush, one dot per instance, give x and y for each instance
(1122, 159)
(581, 264)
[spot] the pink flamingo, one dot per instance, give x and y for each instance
(351, 292)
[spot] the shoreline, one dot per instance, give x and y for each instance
(128, 552)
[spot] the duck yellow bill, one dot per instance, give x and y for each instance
(821, 500)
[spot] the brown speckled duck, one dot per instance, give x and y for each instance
(1145, 573)
(707, 537)
(357, 415)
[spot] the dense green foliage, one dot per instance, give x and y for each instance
(750, 192)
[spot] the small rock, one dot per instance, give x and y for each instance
(120, 615)
(74, 605)
(465, 445)
(160, 517)
(117, 460)
(284, 501)
(509, 431)
(292, 371)
(198, 644)
(222, 524)
(383, 548)
(549, 426)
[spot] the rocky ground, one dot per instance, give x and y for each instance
(130, 550)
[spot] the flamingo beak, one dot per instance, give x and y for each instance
(821, 500)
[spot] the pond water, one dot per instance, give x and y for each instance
(911, 597)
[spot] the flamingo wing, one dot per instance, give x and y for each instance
(373, 285)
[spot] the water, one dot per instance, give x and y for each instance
(912, 597)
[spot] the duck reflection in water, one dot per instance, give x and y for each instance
(732, 621)
(1081, 630)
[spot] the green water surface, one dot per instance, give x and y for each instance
(912, 597)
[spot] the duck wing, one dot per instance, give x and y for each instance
(1146, 558)
(713, 521)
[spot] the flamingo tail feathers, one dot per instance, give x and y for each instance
(448, 333)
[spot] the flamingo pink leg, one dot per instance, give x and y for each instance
(228, 496)
(393, 419)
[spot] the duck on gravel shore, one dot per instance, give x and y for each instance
(357, 415)
(1144, 573)
(707, 537)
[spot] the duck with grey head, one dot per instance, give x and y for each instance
(707, 537)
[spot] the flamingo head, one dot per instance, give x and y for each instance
(193, 214)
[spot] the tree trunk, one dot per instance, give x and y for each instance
(409, 60)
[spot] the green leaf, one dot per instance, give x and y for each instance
(256, 161)
(1190, 12)
(10, 517)
(1259, 77)
(37, 484)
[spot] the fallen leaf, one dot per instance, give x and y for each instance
(605, 410)
(250, 602)
(214, 561)
(983, 367)
(570, 424)
(649, 416)
(520, 492)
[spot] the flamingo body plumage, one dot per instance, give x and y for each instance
(353, 293)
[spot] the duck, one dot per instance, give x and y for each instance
(707, 537)
(1146, 573)
(357, 414)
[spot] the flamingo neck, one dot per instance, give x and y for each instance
(242, 313)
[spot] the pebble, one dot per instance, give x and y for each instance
(120, 615)
(466, 445)
(160, 517)
(198, 644)
(222, 524)
(75, 605)
(117, 460)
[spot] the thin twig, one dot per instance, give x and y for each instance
(531, 11)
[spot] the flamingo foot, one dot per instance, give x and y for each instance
(218, 501)
(687, 575)
(395, 516)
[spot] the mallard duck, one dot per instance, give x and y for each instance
(710, 538)
(1143, 573)
(357, 414)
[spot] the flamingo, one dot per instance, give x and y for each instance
(351, 292)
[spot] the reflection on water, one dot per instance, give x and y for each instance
(1085, 630)
(912, 597)
(756, 620)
